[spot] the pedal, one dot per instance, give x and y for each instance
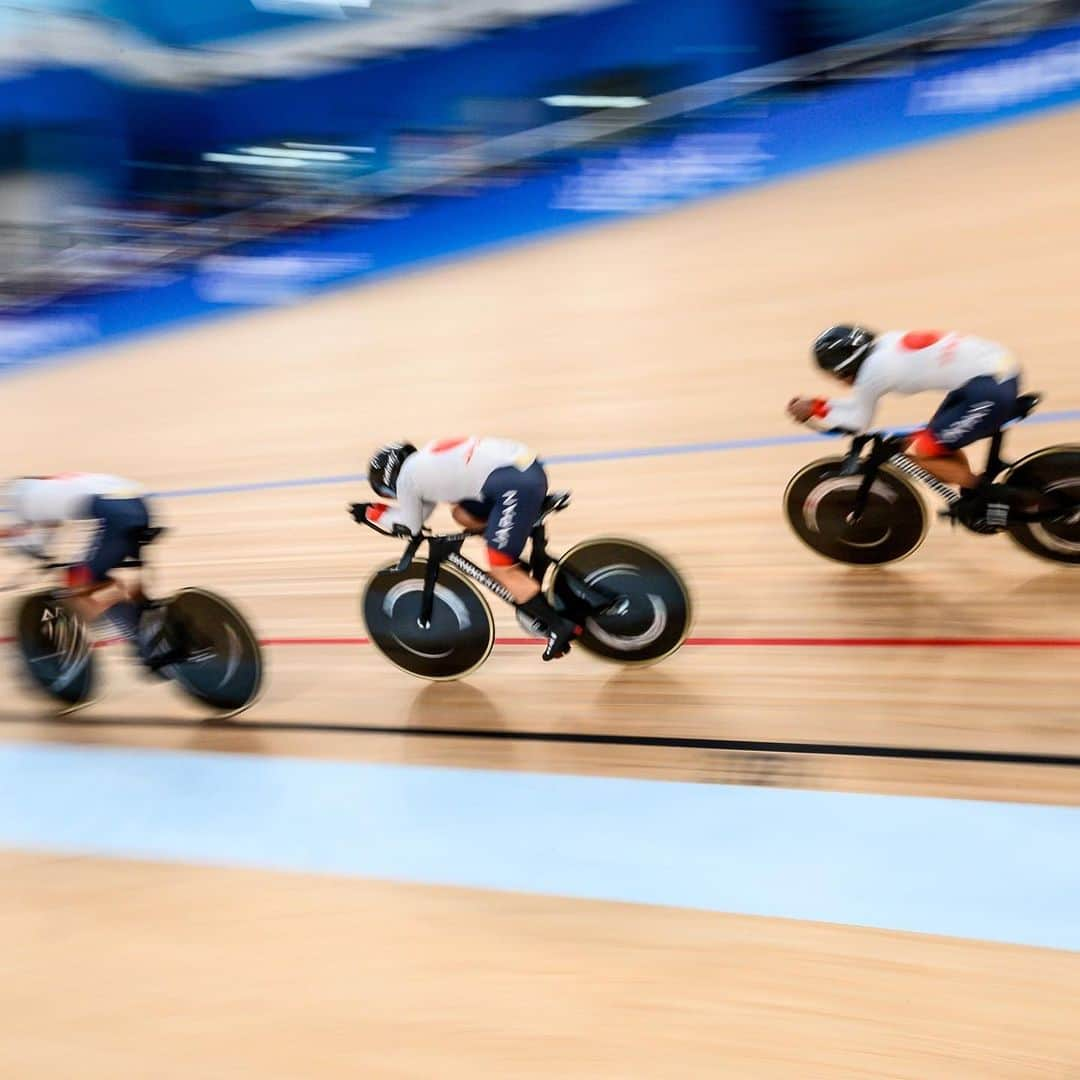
(986, 511)
(154, 648)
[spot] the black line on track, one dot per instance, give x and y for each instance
(667, 742)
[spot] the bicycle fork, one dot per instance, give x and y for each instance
(450, 553)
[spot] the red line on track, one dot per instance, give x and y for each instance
(780, 642)
(897, 642)
(743, 642)
(315, 641)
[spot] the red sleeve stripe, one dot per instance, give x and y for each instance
(820, 408)
(500, 558)
(376, 511)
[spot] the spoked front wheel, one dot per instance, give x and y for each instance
(1052, 477)
(56, 649)
(820, 499)
(650, 615)
(222, 662)
(455, 641)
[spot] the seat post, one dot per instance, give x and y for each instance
(538, 556)
(993, 457)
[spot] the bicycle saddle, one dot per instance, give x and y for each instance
(553, 503)
(1026, 404)
(147, 536)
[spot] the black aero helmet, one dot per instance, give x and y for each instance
(385, 465)
(841, 350)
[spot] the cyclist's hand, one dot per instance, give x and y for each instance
(372, 515)
(800, 409)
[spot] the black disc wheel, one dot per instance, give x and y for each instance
(220, 661)
(650, 613)
(1047, 480)
(819, 501)
(456, 639)
(56, 649)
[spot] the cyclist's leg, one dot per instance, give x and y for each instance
(472, 514)
(93, 591)
(516, 496)
(975, 411)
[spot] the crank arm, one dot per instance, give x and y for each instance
(595, 599)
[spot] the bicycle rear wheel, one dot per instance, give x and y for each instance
(1054, 473)
(223, 665)
(654, 618)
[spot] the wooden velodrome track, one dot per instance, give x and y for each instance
(689, 327)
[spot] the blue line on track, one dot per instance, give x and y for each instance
(671, 450)
(261, 485)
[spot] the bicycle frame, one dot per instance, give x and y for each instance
(447, 548)
(889, 449)
(142, 578)
(43, 564)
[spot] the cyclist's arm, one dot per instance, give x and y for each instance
(32, 540)
(409, 514)
(855, 412)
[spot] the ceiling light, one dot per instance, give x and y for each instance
(254, 159)
(331, 146)
(593, 101)
(306, 155)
